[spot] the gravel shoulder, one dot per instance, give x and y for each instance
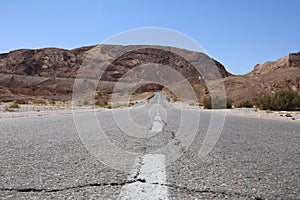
(30, 110)
(244, 112)
(43, 110)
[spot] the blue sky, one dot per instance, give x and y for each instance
(237, 33)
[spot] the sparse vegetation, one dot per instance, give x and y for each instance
(101, 102)
(39, 101)
(245, 104)
(14, 105)
(282, 100)
(52, 101)
(85, 102)
(217, 103)
(22, 101)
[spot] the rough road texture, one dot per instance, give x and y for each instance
(44, 158)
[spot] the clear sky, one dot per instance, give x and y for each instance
(238, 33)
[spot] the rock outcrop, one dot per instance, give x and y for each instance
(51, 72)
(267, 78)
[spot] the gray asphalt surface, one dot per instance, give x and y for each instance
(46, 158)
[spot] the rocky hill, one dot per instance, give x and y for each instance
(51, 72)
(267, 78)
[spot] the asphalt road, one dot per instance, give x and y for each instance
(150, 152)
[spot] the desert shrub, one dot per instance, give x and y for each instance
(101, 102)
(14, 105)
(264, 102)
(22, 101)
(52, 101)
(217, 103)
(245, 104)
(282, 100)
(268, 111)
(228, 103)
(85, 102)
(39, 101)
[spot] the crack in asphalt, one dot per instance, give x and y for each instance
(190, 190)
(134, 180)
(138, 170)
(26, 190)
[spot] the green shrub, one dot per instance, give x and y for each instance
(14, 105)
(228, 103)
(85, 102)
(101, 102)
(217, 103)
(245, 104)
(168, 99)
(282, 100)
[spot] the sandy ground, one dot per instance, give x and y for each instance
(248, 112)
(41, 110)
(29, 110)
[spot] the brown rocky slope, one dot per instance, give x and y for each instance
(267, 78)
(51, 72)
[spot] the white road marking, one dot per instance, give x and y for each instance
(157, 126)
(147, 180)
(158, 98)
(157, 118)
(157, 123)
(152, 179)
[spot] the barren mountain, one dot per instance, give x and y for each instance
(51, 72)
(267, 78)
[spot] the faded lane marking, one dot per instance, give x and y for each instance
(157, 123)
(157, 126)
(147, 179)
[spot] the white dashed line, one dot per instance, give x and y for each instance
(157, 123)
(157, 118)
(147, 180)
(151, 179)
(156, 127)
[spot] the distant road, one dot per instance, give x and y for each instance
(45, 158)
